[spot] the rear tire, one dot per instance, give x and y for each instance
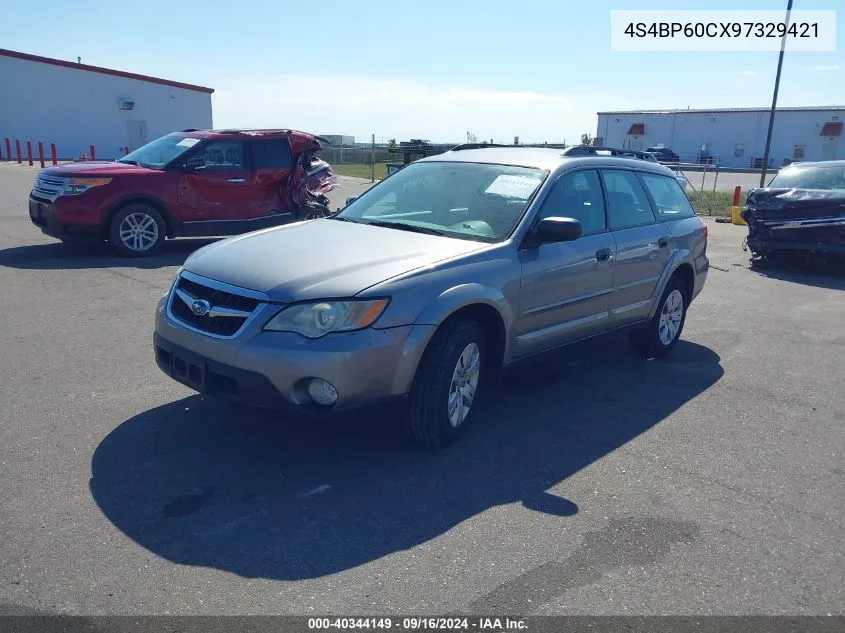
(447, 383)
(137, 230)
(662, 333)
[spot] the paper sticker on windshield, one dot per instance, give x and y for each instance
(187, 142)
(513, 186)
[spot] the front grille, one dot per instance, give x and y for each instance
(214, 325)
(48, 188)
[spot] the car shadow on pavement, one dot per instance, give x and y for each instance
(830, 276)
(59, 256)
(252, 493)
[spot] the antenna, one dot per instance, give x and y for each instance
(78, 60)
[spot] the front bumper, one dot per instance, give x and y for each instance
(272, 369)
(53, 222)
(762, 245)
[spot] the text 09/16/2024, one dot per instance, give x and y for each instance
(722, 31)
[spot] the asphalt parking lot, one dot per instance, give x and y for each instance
(709, 483)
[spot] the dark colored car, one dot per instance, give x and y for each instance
(664, 155)
(186, 184)
(801, 211)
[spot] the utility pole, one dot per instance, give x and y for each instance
(775, 97)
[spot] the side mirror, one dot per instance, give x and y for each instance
(556, 229)
(350, 200)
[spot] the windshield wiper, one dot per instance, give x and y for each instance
(406, 227)
(344, 219)
(128, 162)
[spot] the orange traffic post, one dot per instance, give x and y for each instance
(736, 212)
(29, 152)
(53, 153)
(18, 150)
(41, 154)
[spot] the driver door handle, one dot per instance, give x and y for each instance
(603, 254)
(237, 180)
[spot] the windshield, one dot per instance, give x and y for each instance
(464, 200)
(161, 151)
(816, 177)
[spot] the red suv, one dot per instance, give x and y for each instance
(187, 184)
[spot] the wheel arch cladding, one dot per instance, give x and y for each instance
(491, 322)
(685, 272)
(169, 224)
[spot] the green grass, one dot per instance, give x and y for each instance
(713, 202)
(360, 170)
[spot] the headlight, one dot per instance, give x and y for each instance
(320, 318)
(75, 186)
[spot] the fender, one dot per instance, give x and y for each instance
(466, 295)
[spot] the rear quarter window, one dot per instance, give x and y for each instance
(670, 201)
(271, 153)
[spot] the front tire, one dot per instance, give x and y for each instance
(662, 333)
(447, 384)
(137, 230)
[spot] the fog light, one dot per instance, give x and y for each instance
(322, 392)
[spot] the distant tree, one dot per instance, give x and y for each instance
(471, 138)
(586, 138)
(391, 146)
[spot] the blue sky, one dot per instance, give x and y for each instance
(420, 68)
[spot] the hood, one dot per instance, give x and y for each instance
(322, 258)
(94, 168)
(776, 204)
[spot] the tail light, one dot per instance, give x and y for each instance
(704, 228)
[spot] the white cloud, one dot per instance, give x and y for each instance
(361, 106)
(825, 68)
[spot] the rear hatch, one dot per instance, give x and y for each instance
(792, 218)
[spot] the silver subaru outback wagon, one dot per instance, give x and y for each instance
(435, 280)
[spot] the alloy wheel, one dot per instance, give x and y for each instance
(671, 316)
(138, 232)
(464, 384)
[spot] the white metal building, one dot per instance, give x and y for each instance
(731, 137)
(75, 106)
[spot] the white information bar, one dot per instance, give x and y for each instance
(722, 30)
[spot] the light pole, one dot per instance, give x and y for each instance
(775, 97)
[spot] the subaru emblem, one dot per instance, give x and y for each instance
(200, 307)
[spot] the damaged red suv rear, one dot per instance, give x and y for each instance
(802, 212)
(187, 184)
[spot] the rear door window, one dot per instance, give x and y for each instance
(627, 202)
(271, 153)
(670, 201)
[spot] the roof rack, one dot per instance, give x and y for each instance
(280, 130)
(192, 129)
(464, 146)
(593, 150)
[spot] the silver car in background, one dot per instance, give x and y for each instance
(431, 283)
